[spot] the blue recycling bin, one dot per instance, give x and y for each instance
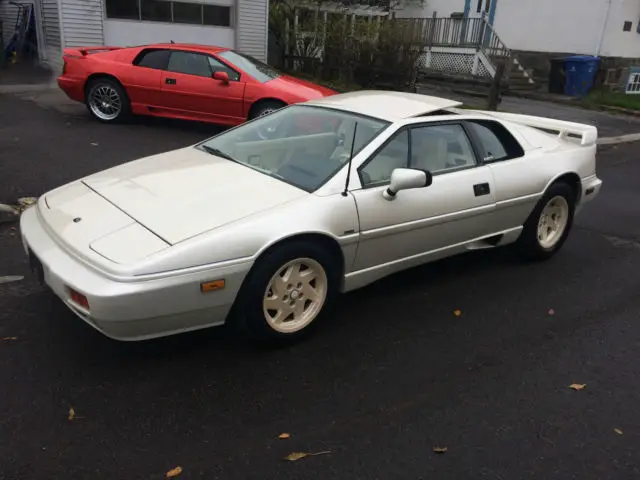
(580, 73)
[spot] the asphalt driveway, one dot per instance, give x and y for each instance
(392, 376)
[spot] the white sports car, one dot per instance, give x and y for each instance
(266, 223)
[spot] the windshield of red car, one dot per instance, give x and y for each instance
(303, 146)
(257, 69)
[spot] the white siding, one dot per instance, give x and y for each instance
(251, 27)
(569, 26)
(82, 23)
(8, 15)
(52, 43)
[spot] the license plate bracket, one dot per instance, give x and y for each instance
(36, 266)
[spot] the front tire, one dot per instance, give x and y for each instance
(548, 226)
(262, 109)
(107, 100)
(287, 292)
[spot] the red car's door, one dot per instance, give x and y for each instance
(143, 78)
(190, 89)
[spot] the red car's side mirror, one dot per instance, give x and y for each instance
(222, 76)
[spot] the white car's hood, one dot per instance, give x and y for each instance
(183, 193)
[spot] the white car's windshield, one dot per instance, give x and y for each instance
(301, 145)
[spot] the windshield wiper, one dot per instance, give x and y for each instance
(218, 152)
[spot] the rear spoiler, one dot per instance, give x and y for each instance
(84, 51)
(587, 134)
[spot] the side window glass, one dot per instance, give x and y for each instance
(189, 63)
(440, 148)
(156, 59)
(491, 144)
(217, 66)
(394, 155)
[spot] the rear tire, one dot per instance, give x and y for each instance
(548, 226)
(287, 293)
(107, 100)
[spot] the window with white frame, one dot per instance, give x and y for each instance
(633, 86)
(170, 11)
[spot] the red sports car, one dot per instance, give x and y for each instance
(191, 82)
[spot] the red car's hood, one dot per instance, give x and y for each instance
(300, 88)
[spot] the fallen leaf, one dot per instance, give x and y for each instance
(293, 456)
(174, 472)
(9, 339)
(551, 311)
(577, 386)
(457, 313)
(72, 414)
(284, 435)
(618, 431)
(440, 449)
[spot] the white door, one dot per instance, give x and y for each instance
(418, 221)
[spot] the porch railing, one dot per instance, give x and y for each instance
(464, 33)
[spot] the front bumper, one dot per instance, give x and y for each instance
(133, 309)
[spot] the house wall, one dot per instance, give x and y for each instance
(568, 26)
(132, 32)
(8, 15)
(82, 23)
(251, 27)
(122, 33)
(50, 12)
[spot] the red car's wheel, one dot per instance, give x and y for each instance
(107, 101)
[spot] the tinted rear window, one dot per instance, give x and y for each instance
(156, 59)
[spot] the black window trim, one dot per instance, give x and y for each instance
(232, 14)
(479, 147)
(476, 153)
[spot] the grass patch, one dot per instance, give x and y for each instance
(612, 99)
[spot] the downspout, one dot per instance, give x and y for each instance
(604, 28)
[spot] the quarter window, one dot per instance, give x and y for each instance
(395, 154)
(495, 140)
(189, 63)
(440, 148)
(156, 59)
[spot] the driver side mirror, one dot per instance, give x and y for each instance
(406, 179)
(222, 76)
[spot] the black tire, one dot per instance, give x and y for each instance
(265, 107)
(113, 85)
(529, 245)
(249, 305)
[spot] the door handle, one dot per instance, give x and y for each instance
(481, 189)
(170, 81)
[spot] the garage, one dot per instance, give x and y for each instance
(238, 24)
